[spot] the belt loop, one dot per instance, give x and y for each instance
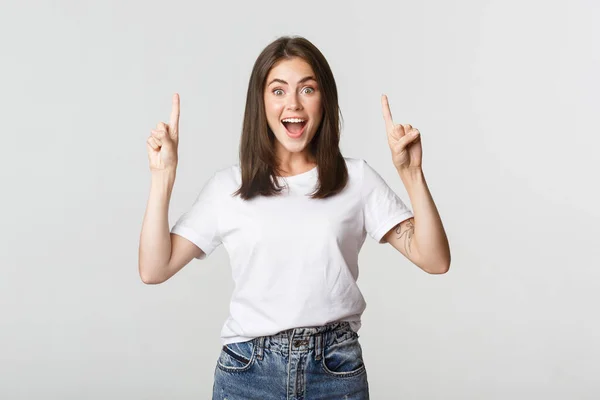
(260, 344)
(318, 346)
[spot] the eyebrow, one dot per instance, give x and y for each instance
(306, 78)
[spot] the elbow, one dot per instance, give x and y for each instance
(438, 268)
(434, 261)
(147, 277)
(150, 281)
(438, 271)
(440, 265)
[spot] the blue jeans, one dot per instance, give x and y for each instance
(316, 363)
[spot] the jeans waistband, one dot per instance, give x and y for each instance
(305, 338)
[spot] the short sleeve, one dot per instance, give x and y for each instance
(199, 225)
(382, 208)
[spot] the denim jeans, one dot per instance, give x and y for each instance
(315, 363)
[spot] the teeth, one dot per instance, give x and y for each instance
(295, 120)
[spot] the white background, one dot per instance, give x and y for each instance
(505, 94)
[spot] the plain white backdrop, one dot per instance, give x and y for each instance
(504, 93)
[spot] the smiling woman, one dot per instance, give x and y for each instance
(293, 110)
(291, 79)
(296, 306)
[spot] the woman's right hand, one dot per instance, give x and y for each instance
(163, 141)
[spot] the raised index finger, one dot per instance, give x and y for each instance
(174, 122)
(387, 114)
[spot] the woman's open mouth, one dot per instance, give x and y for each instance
(294, 129)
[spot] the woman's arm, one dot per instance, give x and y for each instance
(155, 238)
(161, 253)
(421, 239)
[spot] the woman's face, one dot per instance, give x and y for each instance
(291, 91)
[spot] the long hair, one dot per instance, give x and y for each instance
(258, 160)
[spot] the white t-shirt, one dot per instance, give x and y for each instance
(294, 259)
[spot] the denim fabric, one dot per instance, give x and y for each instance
(317, 363)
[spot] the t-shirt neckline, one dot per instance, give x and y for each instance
(301, 175)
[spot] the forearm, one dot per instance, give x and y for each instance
(429, 237)
(155, 238)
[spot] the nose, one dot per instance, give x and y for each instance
(293, 102)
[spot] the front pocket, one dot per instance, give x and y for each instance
(236, 357)
(343, 359)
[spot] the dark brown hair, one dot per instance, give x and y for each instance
(257, 152)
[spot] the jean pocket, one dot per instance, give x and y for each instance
(343, 359)
(237, 357)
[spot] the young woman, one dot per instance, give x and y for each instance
(293, 216)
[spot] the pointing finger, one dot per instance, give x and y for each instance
(174, 122)
(387, 114)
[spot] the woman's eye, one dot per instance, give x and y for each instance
(275, 91)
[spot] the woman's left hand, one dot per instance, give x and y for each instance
(404, 141)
